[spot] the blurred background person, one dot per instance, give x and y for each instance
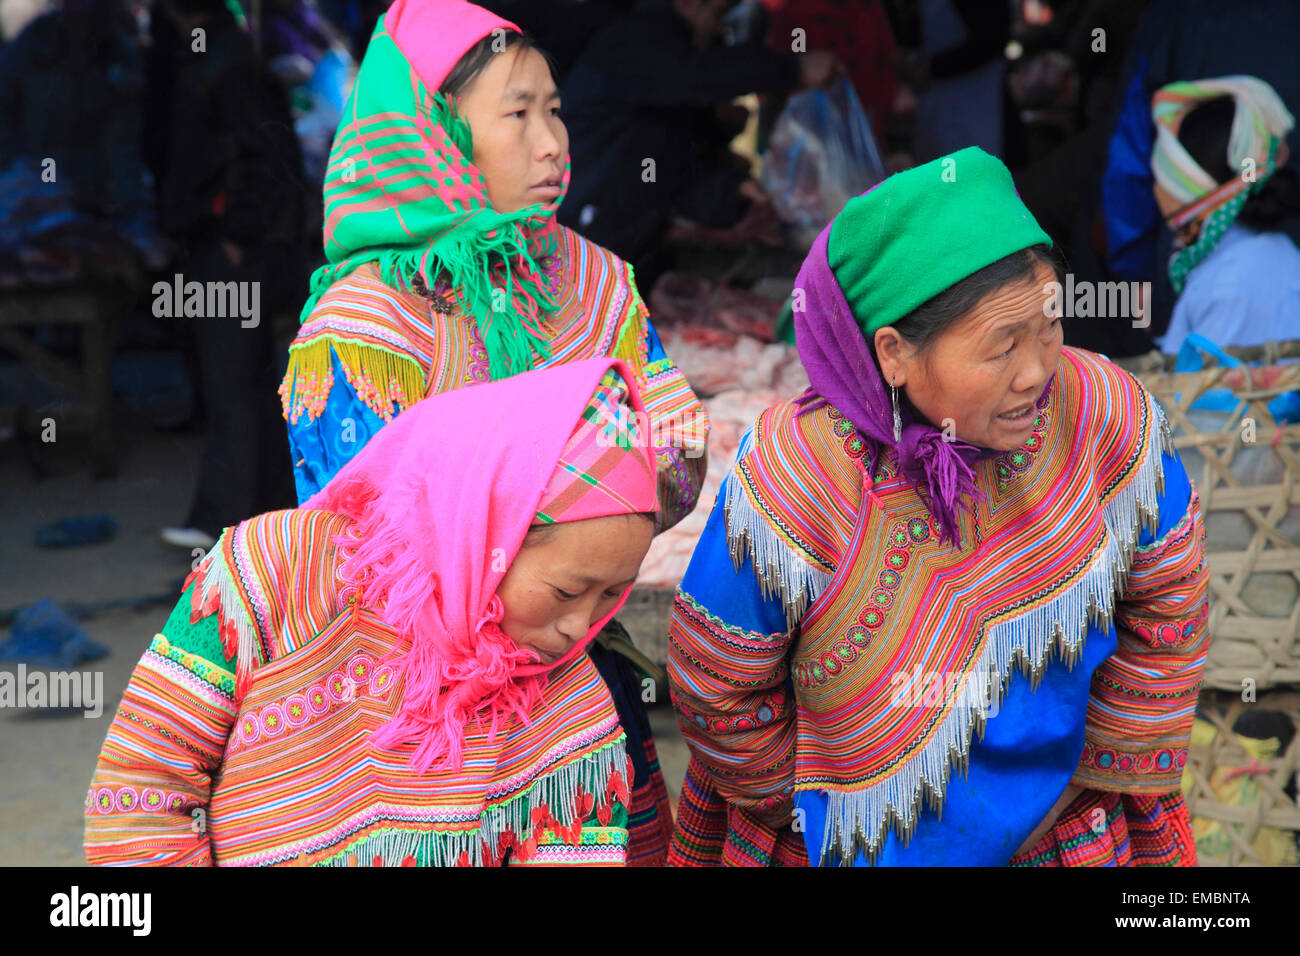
(1223, 187)
(859, 34)
(644, 136)
(1182, 40)
(561, 27)
(230, 194)
(297, 28)
(958, 74)
(71, 85)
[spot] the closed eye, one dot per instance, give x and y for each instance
(564, 595)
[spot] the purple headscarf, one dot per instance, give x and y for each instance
(843, 374)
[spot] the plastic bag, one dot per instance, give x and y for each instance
(821, 154)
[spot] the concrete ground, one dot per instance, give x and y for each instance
(128, 585)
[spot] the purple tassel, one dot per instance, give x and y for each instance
(941, 467)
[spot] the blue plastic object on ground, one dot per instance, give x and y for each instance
(76, 531)
(45, 635)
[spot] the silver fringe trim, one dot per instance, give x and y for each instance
(780, 570)
(217, 577)
(858, 820)
(556, 789)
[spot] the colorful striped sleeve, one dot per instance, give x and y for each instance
(1143, 696)
(148, 797)
(681, 429)
(727, 663)
(320, 445)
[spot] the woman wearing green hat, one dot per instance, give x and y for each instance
(964, 547)
(446, 268)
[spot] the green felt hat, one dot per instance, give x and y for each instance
(921, 231)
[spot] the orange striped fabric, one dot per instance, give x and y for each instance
(395, 347)
(277, 767)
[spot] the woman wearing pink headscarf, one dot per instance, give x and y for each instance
(396, 673)
(446, 269)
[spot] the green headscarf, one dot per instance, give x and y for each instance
(1260, 121)
(401, 189)
(921, 231)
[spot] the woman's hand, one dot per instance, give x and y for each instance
(1064, 801)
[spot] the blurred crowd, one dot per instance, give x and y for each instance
(178, 152)
(125, 157)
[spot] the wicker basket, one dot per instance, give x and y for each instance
(1250, 499)
(1260, 804)
(646, 615)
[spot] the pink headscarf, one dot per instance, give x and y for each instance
(442, 498)
(435, 34)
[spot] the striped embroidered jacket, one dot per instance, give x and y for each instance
(832, 661)
(243, 737)
(394, 347)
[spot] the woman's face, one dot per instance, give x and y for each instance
(520, 143)
(568, 579)
(983, 374)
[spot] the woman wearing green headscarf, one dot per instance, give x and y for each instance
(446, 268)
(950, 609)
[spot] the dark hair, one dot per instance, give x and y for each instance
(920, 327)
(1205, 132)
(477, 57)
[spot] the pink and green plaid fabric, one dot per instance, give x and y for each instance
(604, 469)
(401, 188)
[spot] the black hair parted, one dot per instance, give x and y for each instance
(920, 327)
(480, 54)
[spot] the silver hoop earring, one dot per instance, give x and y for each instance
(898, 419)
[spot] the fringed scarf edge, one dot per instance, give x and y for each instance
(780, 570)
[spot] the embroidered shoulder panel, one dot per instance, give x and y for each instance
(517, 788)
(1123, 423)
(600, 310)
(791, 500)
(1055, 543)
(273, 581)
(396, 346)
(383, 338)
